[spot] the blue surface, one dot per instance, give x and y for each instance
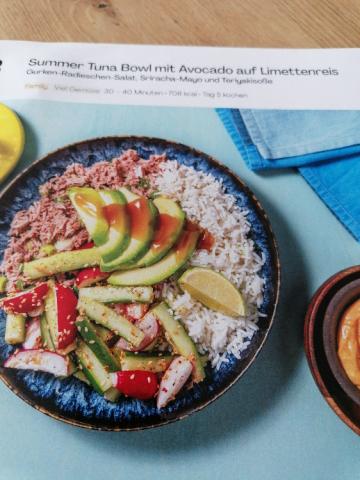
(274, 423)
(73, 399)
(324, 145)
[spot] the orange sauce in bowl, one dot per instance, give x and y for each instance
(349, 342)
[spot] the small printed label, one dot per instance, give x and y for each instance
(181, 76)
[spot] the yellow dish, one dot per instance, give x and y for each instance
(12, 140)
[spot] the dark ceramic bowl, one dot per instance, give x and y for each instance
(334, 394)
(74, 402)
(337, 306)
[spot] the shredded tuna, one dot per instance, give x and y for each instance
(53, 217)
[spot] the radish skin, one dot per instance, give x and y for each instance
(150, 326)
(173, 380)
(39, 360)
(33, 335)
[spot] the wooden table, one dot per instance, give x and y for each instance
(255, 23)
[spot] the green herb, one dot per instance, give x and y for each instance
(154, 194)
(19, 284)
(47, 250)
(144, 183)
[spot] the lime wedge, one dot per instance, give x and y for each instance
(213, 290)
(12, 139)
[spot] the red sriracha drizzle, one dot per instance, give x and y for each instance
(26, 301)
(165, 228)
(140, 217)
(206, 240)
(136, 383)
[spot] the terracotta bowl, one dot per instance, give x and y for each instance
(337, 306)
(334, 394)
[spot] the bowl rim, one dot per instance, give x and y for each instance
(273, 248)
(310, 327)
(339, 302)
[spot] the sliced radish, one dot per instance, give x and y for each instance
(33, 335)
(135, 383)
(65, 351)
(61, 313)
(87, 245)
(150, 326)
(37, 311)
(173, 380)
(89, 276)
(132, 311)
(39, 360)
(120, 308)
(135, 311)
(26, 301)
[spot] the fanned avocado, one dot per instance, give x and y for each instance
(142, 213)
(89, 205)
(163, 269)
(119, 225)
(169, 226)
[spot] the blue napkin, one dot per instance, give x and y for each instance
(324, 145)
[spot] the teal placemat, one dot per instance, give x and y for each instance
(273, 424)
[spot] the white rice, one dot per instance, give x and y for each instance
(203, 199)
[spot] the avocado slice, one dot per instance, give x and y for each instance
(170, 223)
(117, 217)
(89, 206)
(89, 334)
(179, 339)
(142, 213)
(163, 269)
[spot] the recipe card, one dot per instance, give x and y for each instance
(150, 195)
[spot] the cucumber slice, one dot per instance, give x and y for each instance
(179, 339)
(46, 338)
(108, 318)
(112, 395)
(92, 368)
(119, 225)
(110, 294)
(81, 376)
(162, 270)
(98, 346)
(15, 329)
(89, 206)
(106, 335)
(61, 262)
(146, 362)
(170, 224)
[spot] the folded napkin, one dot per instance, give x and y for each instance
(324, 145)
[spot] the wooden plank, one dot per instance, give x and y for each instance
(257, 23)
